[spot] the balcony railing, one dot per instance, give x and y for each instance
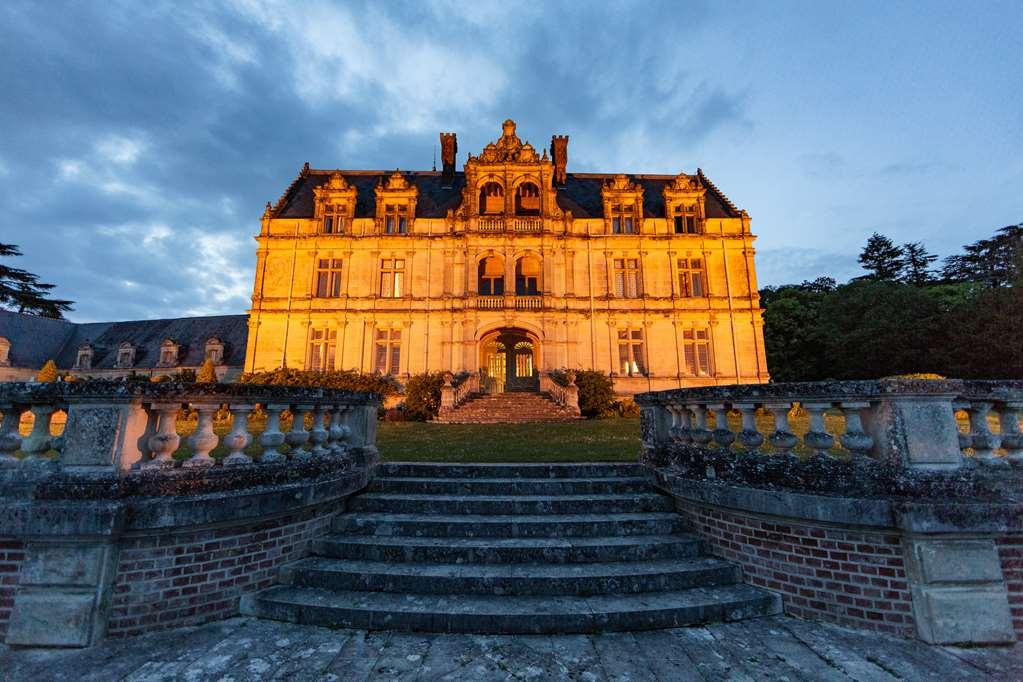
(491, 224)
(528, 302)
(490, 302)
(527, 224)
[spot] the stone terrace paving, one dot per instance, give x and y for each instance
(775, 648)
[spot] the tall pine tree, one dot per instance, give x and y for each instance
(881, 258)
(916, 265)
(22, 291)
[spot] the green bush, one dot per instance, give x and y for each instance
(596, 391)
(422, 396)
(345, 380)
(207, 373)
(48, 373)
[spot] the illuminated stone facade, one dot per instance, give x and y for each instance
(512, 266)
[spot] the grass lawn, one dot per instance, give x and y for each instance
(589, 440)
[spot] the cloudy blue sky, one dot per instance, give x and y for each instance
(139, 141)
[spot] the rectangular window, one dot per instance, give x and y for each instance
(691, 278)
(626, 276)
(631, 359)
(491, 286)
(333, 219)
(328, 277)
(686, 219)
(322, 345)
(388, 351)
(622, 217)
(396, 219)
(392, 277)
(696, 347)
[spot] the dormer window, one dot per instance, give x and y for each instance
(623, 219)
(686, 219)
(84, 358)
(334, 219)
(215, 351)
(168, 354)
(492, 199)
(396, 219)
(125, 356)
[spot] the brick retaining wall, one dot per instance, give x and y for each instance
(189, 578)
(12, 553)
(848, 577)
(1010, 551)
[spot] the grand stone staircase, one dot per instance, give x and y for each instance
(552, 548)
(508, 408)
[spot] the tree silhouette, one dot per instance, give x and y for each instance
(916, 266)
(881, 258)
(22, 291)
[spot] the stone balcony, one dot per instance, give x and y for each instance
(514, 224)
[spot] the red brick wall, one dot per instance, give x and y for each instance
(1010, 551)
(852, 578)
(194, 577)
(12, 553)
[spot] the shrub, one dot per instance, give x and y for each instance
(422, 396)
(596, 391)
(48, 373)
(345, 380)
(207, 373)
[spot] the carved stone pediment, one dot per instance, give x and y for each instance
(335, 192)
(621, 183)
(509, 148)
(684, 183)
(397, 181)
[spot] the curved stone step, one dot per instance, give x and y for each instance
(568, 470)
(511, 579)
(510, 615)
(509, 486)
(507, 550)
(510, 504)
(509, 526)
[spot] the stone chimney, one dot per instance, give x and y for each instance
(559, 154)
(448, 153)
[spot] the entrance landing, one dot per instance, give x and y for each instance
(519, 407)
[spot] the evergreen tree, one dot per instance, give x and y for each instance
(22, 291)
(48, 373)
(996, 262)
(916, 267)
(207, 373)
(881, 258)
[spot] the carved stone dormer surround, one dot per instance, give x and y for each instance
(620, 190)
(399, 193)
(684, 196)
(334, 199)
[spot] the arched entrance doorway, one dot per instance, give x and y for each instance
(509, 361)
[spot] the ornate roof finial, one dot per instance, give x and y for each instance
(268, 211)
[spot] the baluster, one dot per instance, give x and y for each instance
(337, 430)
(37, 443)
(723, 435)
(344, 431)
(1012, 437)
(682, 424)
(204, 439)
(298, 436)
(146, 452)
(272, 438)
(782, 439)
(700, 434)
(750, 436)
(239, 437)
(984, 442)
(10, 439)
(318, 435)
(958, 406)
(817, 438)
(855, 439)
(166, 439)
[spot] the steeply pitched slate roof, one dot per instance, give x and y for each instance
(580, 194)
(35, 340)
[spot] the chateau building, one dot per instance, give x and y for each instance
(510, 267)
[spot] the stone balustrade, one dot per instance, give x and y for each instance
(490, 302)
(453, 394)
(527, 224)
(528, 302)
(565, 395)
(126, 426)
(908, 422)
(894, 504)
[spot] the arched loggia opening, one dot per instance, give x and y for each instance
(491, 276)
(492, 199)
(510, 359)
(527, 199)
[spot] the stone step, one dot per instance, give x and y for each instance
(571, 470)
(509, 486)
(509, 504)
(567, 550)
(511, 526)
(510, 614)
(511, 579)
